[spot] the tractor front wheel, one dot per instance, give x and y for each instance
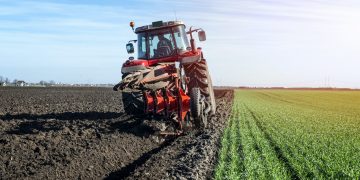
(197, 106)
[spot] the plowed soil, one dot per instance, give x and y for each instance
(82, 133)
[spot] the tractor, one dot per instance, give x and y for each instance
(170, 77)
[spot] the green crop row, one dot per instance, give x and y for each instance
(283, 134)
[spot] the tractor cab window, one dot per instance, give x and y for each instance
(142, 46)
(161, 44)
(182, 42)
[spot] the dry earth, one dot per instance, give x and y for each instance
(82, 133)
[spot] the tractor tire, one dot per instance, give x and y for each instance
(200, 78)
(196, 108)
(211, 97)
(133, 102)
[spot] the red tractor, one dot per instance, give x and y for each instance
(170, 77)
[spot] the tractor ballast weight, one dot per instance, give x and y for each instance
(170, 76)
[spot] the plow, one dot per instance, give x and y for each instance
(169, 78)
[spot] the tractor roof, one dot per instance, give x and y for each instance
(158, 25)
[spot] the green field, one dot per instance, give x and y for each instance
(292, 134)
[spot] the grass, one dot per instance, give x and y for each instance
(292, 134)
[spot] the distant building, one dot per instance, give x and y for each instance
(20, 83)
(3, 84)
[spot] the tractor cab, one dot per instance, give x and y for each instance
(162, 41)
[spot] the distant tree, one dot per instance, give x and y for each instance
(2, 79)
(14, 81)
(7, 80)
(52, 82)
(43, 83)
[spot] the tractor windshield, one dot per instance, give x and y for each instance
(162, 43)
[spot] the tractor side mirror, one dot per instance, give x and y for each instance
(202, 35)
(130, 48)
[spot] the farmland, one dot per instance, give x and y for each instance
(68, 133)
(292, 134)
(83, 133)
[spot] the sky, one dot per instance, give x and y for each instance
(307, 43)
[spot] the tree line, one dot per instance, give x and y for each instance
(42, 82)
(4, 80)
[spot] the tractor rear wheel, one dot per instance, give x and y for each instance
(197, 106)
(200, 77)
(133, 102)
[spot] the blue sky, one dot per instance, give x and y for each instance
(249, 43)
